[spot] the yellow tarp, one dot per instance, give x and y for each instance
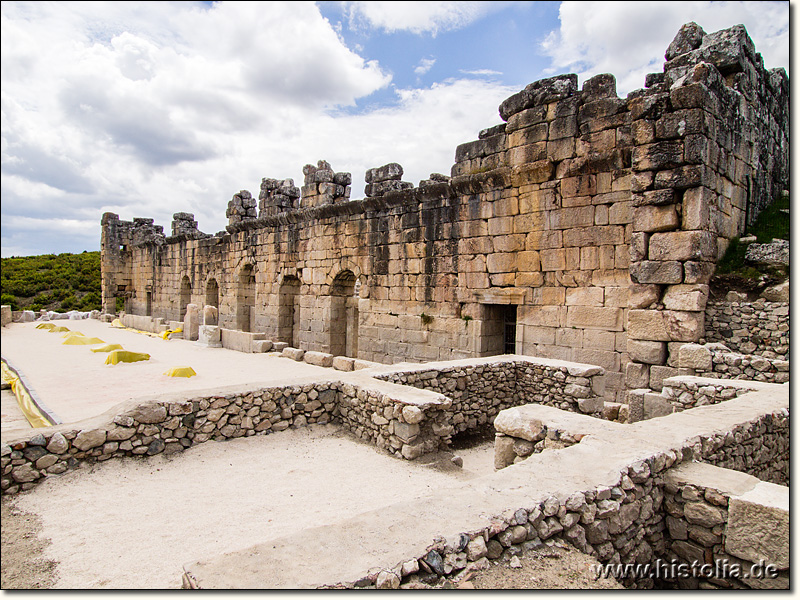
(180, 372)
(45, 325)
(118, 324)
(118, 356)
(60, 329)
(107, 348)
(81, 340)
(26, 403)
(165, 335)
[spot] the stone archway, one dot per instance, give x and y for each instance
(343, 323)
(246, 298)
(288, 319)
(186, 295)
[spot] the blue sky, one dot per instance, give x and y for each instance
(150, 108)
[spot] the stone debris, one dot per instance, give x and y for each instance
(242, 207)
(775, 254)
(323, 186)
(277, 196)
(184, 224)
(385, 179)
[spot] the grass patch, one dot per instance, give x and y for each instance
(772, 223)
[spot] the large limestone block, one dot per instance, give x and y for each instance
(683, 245)
(649, 352)
(647, 325)
(515, 422)
(657, 272)
(684, 326)
(758, 525)
(210, 335)
(191, 322)
(643, 296)
(690, 297)
(655, 218)
(319, 359)
(594, 317)
(694, 356)
(777, 293)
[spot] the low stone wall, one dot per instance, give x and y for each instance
(618, 524)
(686, 392)
(717, 360)
(480, 388)
(717, 518)
(523, 431)
(758, 327)
(405, 422)
(144, 323)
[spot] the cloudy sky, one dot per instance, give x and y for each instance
(150, 108)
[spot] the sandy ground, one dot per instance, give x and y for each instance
(134, 523)
(75, 383)
(11, 417)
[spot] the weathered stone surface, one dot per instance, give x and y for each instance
(514, 422)
(686, 297)
(58, 444)
(758, 525)
(149, 413)
(777, 293)
(413, 414)
(319, 359)
(775, 253)
(694, 356)
(652, 353)
(87, 439)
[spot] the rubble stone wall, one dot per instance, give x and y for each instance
(628, 521)
(479, 391)
(586, 224)
(403, 422)
(759, 327)
(718, 518)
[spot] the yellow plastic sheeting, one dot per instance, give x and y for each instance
(107, 348)
(45, 325)
(60, 329)
(180, 372)
(165, 335)
(82, 340)
(118, 356)
(118, 324)
(26, 403)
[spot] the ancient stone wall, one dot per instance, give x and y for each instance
(758, 327)
(585, 227)
(714, 512)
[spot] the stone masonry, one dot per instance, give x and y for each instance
(584, 227)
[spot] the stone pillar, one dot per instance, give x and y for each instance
(210, 315)
(191, 322)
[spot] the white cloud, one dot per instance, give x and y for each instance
(482, 73)
(419, 17)
(425, 65)
(628, 39)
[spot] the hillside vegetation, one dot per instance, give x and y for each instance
(52, 282)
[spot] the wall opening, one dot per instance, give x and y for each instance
(287, 310)
(499, 332)
(246, 299)
(343, 325)
(148, 308)
(212, 293)
(186, 295)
